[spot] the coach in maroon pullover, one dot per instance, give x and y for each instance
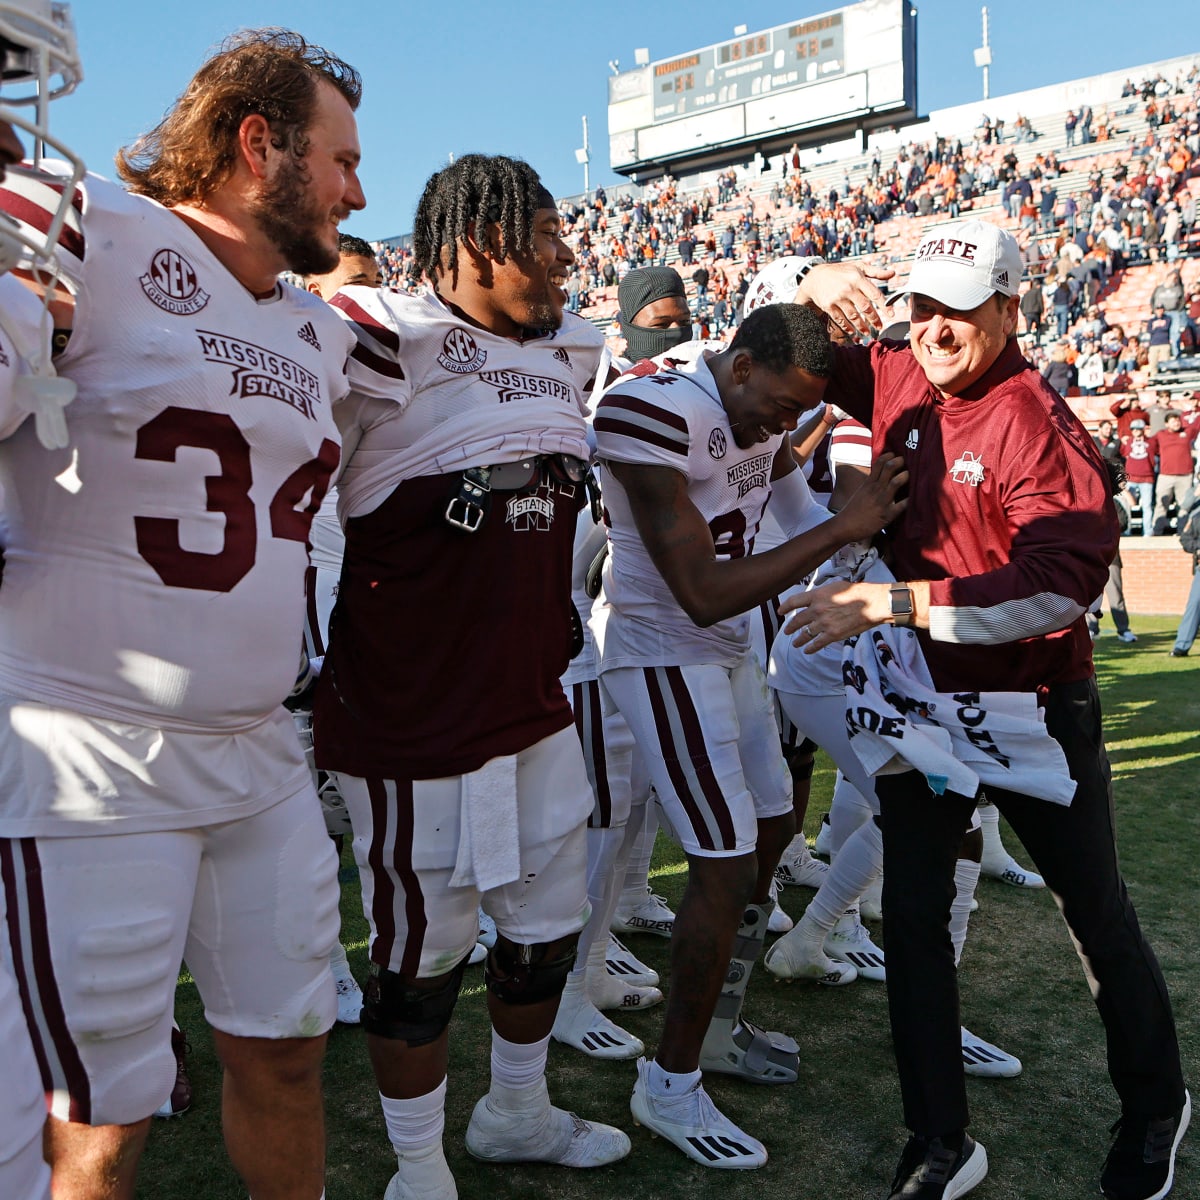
(1004, 544)
(1172, 445)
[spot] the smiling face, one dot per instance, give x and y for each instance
(669, 312)
(763, 404)
(528, 289)
(301, 202)
(955, 348)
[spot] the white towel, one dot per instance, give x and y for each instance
(956, 740)
(489, 844)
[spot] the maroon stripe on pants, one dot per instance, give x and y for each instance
(400, 868)
(48, 1000)
(697, 752)
(671, 758)
(312, 614)
(589, 725)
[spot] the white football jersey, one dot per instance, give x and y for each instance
(675, 419)
(155, 567)
(433, 394)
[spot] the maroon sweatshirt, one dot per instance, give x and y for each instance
(1009, 514)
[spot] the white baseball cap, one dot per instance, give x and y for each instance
(962, 263)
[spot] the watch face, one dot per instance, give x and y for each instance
(902, 605)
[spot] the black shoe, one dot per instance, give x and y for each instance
(929, 1170)
(1141, 1163)
(1179, 654)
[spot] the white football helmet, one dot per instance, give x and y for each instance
(40, 63)
(777, 282)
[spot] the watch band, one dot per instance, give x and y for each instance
(903, 610)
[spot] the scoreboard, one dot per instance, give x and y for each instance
(856, 63)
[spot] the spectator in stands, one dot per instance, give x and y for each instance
(1127, 410)
(1062, 306)
(1047, 202)
(1172, 297)
(1109, 443)
(1089, 367)
(1137, 451)
(1172, 446)
(1159, 329)
(1069, 123)
(1033, 310)
(1059, 373)
(700, 278)
(686, 245)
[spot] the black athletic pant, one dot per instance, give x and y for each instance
(1075, 851)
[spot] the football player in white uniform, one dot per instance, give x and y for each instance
(155, 801)
(439, 705)
(691, 458)
(34, 51)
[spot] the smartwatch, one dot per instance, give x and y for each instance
(902, 605)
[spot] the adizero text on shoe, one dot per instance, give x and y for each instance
(1141, 1163)
(694, 1124)
(986, 1061)
(626, 966)
(795, 957)
(650, 915)
(1012, 873)
(930, 1170)
(758, 1055)
(853, 945)
(580, 1024)
(801, 870)
(550, 1135)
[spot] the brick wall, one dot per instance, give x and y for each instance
(1156, 574)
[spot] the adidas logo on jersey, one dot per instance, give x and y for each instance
(308, 334)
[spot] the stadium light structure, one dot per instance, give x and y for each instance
(983, 56)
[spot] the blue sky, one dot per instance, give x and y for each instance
(460, 75)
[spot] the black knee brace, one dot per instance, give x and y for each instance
(801, 759)
(521, 974)
(395, 1009)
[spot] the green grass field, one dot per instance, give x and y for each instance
(837, 1131)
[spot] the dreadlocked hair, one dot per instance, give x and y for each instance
(463, 200)
(778, 336)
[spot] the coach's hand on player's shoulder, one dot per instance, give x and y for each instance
(846, 294)
(875, 504)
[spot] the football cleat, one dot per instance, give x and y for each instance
(1009, 871)
(479, 953)
(349, 1000)
(799, 869)
(521, 1125)
(180, 1099)
(986, 1061)
(824, 840)
(620, 961)
(424, 1175)
(852, 944)
(651, 914)
(694, 1124)
(580, 1023)
(609, 993)
(487, 930)
(778, 921)
(798, 957)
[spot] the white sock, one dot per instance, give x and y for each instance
(517, 1065)
(338, 962)
(993, 847)
(637, 873)
(604, 857)
(966, 878)
(668, 1083)
(417, 1123)
(856, 866)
